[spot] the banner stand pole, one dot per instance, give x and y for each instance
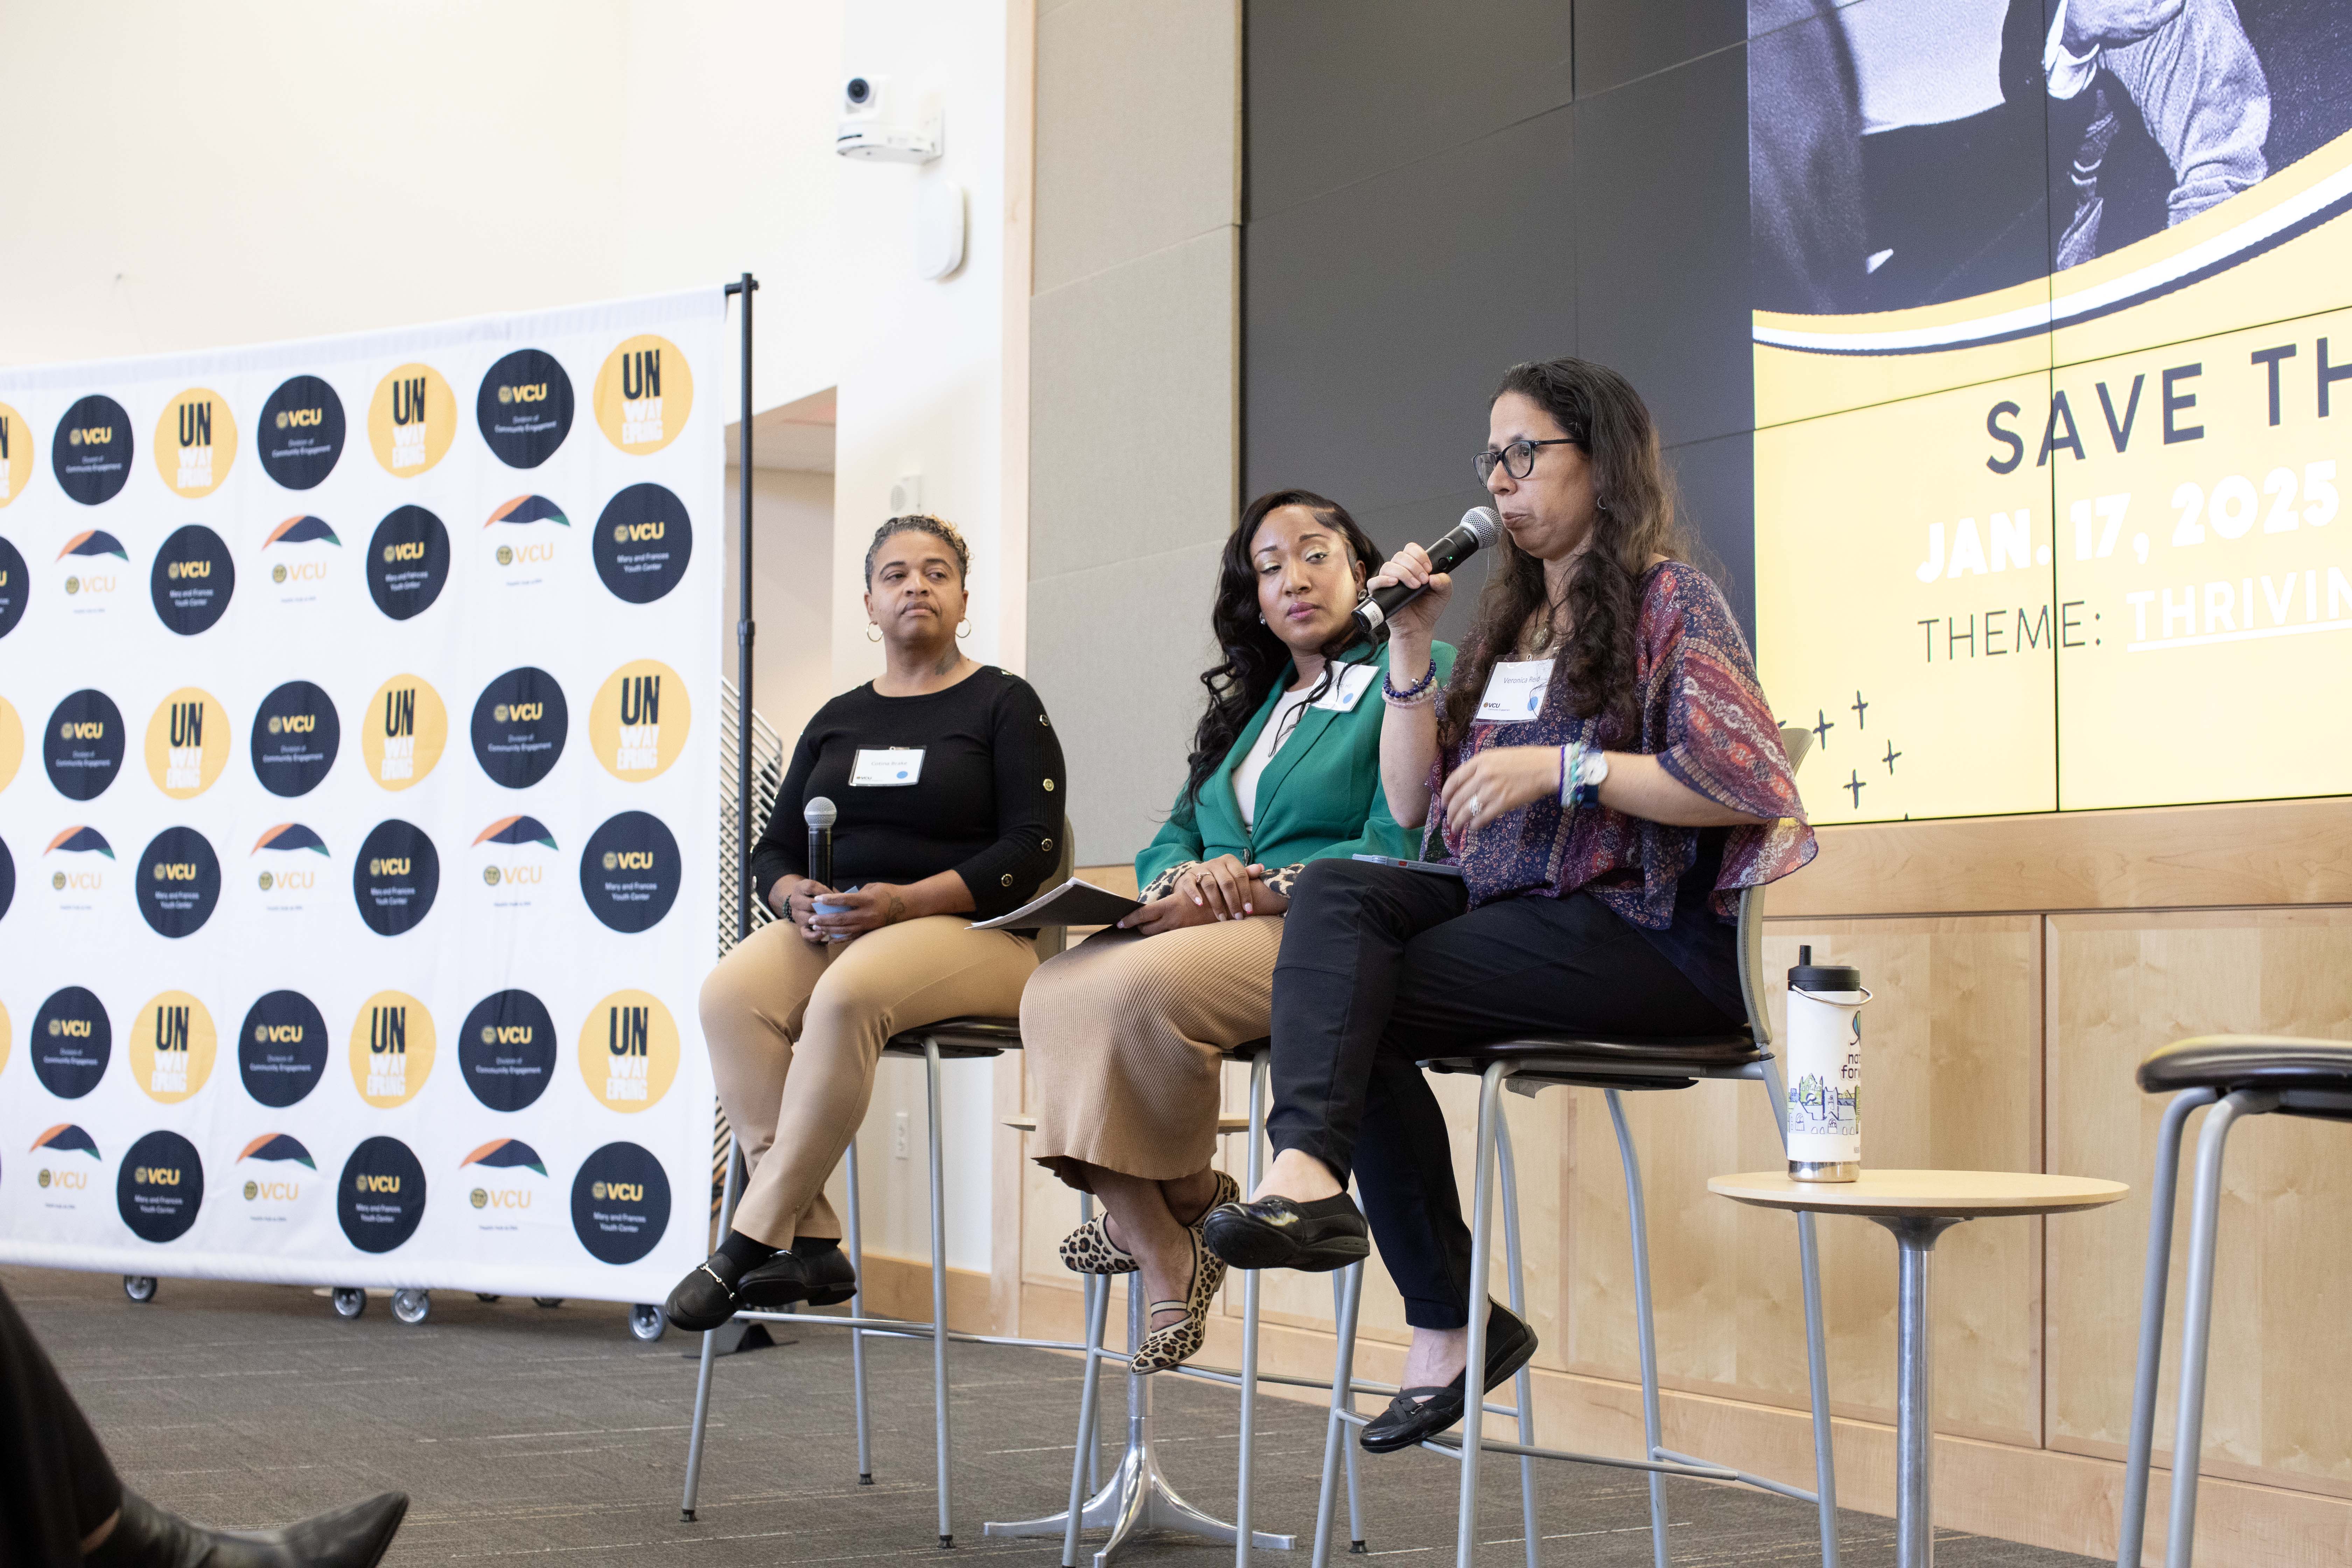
(746, 832)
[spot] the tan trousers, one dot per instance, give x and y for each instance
(1126, 1036)
(794, 1030)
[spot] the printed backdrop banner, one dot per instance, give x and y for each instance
(358, 772)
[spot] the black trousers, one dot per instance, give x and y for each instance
(55, 1484)
(1382, 968)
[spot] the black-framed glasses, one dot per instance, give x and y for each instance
(1519, 459)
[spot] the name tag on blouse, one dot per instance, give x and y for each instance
(1349, 689)
(1515, 691)
(890, 767)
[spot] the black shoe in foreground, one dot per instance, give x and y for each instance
(820, 1279)
(1416, 1415)
(707, 1297)
(145, 1536)
(1276, 1233)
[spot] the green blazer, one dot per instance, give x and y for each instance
(1319, 799)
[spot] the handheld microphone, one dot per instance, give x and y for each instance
(1479, 529)
(820, 814)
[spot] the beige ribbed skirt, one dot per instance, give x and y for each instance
(1126, 1036)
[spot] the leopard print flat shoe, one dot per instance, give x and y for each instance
(1179, 1343)
(1089, 1250)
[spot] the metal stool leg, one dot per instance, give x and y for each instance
(1348, 1285)
(1082, 1464)
(2197, 1318)
(1638, 1221)
(1355, 1474)
(1260, 1071)
(857, 1336)
(709, 1349)
(2161, 1189)
(1523, 1385)
(1817, 1354)
(1482, 1260)
(939, 1289)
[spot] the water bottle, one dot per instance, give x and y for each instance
(1824, 1068)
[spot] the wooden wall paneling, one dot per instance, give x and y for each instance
(2122, 985)
(1951, 1080)
(2273, 852)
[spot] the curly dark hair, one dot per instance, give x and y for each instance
(1637, 518)
(1253, 656)
(939, 528)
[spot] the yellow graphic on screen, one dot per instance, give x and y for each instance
(637, 727)
(2075, 542)
(188, 742)
(12, 743)
(628, 1050)
(16, 454)
(403, 732)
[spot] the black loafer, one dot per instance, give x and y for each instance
(1276, 1233)
(820, 1279)
(705, 1298)
(1510, 1343)
(145, 1536)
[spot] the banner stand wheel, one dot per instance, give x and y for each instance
(648, 1323)
(486, 1296)
(547, 1300)
(139, 1287)
(350, 1300)
(412, 1306)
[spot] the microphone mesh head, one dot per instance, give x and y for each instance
(820, 812)
(1484, 525)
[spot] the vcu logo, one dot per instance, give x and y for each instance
(532, 394)
(82, 730)
(300, 418)
(174, 870)
(365, 1182)
(390, 866)
(619, 1191)
(70, 1028)
(637, 532)
(507, 1034)
(156, 1175)
(91, 435)
(396, 553)
(277, 1034)
(178, 569)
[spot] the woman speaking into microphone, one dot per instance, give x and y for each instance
(945, 774)
(1127, 1032)
(1606, 775)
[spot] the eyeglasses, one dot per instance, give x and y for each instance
(1519, 459)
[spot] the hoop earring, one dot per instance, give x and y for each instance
(963, 628)
(873, 631)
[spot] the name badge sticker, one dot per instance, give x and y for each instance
(1349, 690)
(1515, 691)
(891, 767)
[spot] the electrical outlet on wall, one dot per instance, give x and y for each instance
(899, 1135)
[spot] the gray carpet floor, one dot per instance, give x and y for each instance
(534, 1436)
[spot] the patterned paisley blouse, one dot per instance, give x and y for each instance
(1706, 720)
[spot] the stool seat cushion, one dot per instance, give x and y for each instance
(959, 1038)
(2283, 1063)
(1703, 1053)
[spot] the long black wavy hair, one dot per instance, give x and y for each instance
(1636, 519)
(1254, 656)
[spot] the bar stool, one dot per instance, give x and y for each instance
(1138, 1497)
(2248, 1075)
(1617, 1066)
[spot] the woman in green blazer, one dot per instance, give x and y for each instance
(1126, 1033)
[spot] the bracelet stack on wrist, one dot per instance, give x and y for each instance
(1413, 696)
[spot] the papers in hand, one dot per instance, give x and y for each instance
(1077, 903)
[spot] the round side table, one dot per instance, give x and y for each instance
(1918, 1206)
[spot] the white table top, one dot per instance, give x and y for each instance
(1962, 1195)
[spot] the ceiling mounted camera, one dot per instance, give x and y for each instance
(869, 129)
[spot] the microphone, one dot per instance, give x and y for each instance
(1479, 529)
(820, 814)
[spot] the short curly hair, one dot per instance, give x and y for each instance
(939, 528)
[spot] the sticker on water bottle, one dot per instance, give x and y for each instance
(1824, 1068)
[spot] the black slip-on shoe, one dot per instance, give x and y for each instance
(1276, 1233)
(707, 1297)
(145, 1536)
(820, 1279)
(1416, 1415)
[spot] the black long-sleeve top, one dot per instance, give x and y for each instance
(988, 805)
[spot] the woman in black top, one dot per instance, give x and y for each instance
(947, 779)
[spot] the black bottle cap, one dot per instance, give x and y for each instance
(1810, 976)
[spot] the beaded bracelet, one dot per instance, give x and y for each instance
(1412, 696)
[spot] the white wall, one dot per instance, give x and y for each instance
(240, 172)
